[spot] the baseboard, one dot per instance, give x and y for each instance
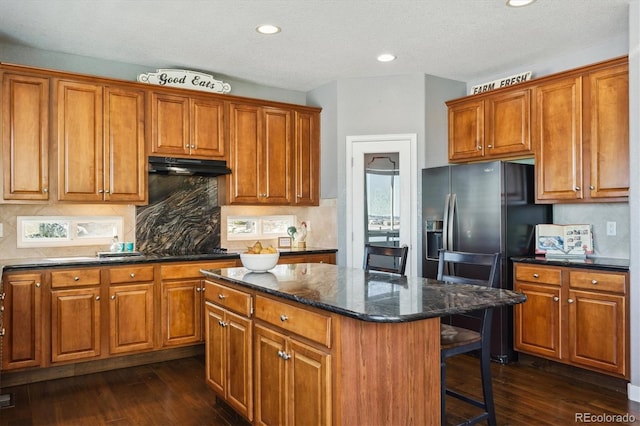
(633, 392)
(15, 378)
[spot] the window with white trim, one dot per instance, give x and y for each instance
(258, 227)
(64, 231)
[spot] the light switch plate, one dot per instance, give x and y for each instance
(611, 229)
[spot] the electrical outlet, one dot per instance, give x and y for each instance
(1, 231)
(611, 229)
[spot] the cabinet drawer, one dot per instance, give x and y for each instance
(598, 281)
(75, 277)
(313, 326)
(192, 270)
(234, 300)
(537, 274)
(131, 274)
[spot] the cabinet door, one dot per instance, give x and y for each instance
(597, 331)
(275, 158)
(169, 124)
(245, 137)
(538, 320)
(207, 128)
(75, 324)
(130, 318)
(79, 139)
(125, 170)
(181, 312)
(22, 316)
(309, 383)
(270, 389)
(306, 159)
(239, 367)
(25, 137)
(558, 140)
(215, 348)
(508, 129)
(609, 147)
(466, 131)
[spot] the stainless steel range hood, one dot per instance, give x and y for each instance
(188, 166)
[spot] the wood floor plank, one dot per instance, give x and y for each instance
(174, 393)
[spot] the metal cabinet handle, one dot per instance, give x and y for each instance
(489, 146)
(45, 190)
(113, 297)
(222, 323)
(132, 275)
(594, 282)
(284, 355)
(221, 296)
(198, 289)
(97, 297)
(577, 188)
(591, 187)
(100, 191)
(76, 278)
(556, 298)
(479, 148)
(283, 317)
(570, 300)
(536, 276)
(106, 191)
(37, 285)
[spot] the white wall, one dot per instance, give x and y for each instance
(634, 198)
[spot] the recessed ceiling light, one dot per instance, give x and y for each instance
(268, 29)
(386, 57)
(519, 3)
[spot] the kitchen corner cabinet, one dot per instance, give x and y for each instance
(490, 126)
(22, 315)
(260, 139)
(131, 309)
(581, 134)
(228, 346)
(25, 136)
(187, 126)
(182, 301)
(100, 138)
(75, 314)
(306, 159)
(575, 316)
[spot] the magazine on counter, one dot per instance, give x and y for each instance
(564, 240)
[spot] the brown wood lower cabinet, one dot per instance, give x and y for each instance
(575, 316)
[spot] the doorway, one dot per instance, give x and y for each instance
(381, 194)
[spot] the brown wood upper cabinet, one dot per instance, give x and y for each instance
(581, 134)
(273, 154)
(100, 138)
(25, 136)
(490, 126)
(187, 126)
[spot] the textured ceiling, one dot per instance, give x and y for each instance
(321, 40)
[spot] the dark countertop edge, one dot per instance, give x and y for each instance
(64, 262)
(595, 263)
(348, 313)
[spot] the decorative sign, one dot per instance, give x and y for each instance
(503, 82)
(186, 80)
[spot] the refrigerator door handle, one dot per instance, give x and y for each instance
(445, 223)
(452, 215)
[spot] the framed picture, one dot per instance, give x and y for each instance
(284, 242)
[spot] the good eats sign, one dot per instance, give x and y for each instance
(185, 80)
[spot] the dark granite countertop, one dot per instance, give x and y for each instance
(600, 263)
(84, 261)
(373, 297)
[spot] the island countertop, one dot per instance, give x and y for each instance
(367, 296)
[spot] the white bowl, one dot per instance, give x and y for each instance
(259, 262)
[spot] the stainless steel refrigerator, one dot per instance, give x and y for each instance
(485, 208)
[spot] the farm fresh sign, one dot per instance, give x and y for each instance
(503, 82)
(185, 80)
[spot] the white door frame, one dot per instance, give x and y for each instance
(407, 146)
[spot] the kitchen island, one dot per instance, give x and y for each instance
(323, 344)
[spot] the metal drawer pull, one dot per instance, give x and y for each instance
(536, 276)
(113, 297)
(222, 323)
(283, 317)
(37, 285)
(556, 298)
(284, 355)
(594, 282)
(221, 296)
(97, 297)
(76, 278)
(132, 275)
(570, 300)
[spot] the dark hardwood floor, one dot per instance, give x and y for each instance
(174, 393)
